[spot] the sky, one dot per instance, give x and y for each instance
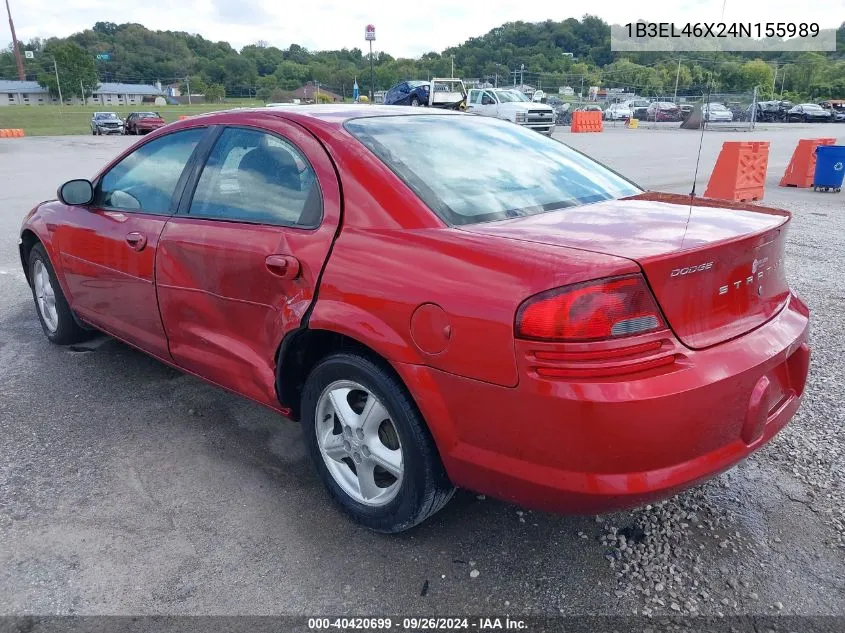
(403, 29)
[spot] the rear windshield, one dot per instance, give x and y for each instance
(470, 169)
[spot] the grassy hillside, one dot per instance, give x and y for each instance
(52, 120)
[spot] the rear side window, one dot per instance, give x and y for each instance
(146, 179)
(514, 172)
(256, 177)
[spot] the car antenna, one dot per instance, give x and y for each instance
(701, 139)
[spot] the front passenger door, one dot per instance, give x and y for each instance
(238, 265)
(108, 249)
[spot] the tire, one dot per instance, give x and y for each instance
(61, 327)
(93, 133)
(415, 102)
(422, 487)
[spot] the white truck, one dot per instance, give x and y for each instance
(447, 93)
(512, 105)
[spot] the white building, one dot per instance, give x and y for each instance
(106, 94)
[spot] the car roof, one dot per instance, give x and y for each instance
(336, 113)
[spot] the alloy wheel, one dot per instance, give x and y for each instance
(45, 296)
(359, 443)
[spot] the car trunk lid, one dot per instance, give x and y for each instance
(715, 267)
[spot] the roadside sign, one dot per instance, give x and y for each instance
(370, 33)
(104, 56)
(29, 54)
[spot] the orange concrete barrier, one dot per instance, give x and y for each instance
(11, 133)
(586, 122)
(802, 166)
(740, 171)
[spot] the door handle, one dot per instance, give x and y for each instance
(136, 241)
(283, 266)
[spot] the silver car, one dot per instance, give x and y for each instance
(106, 123)
(716, 112)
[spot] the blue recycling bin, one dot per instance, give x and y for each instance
(830, 167)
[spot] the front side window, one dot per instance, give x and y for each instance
(515, 172)
(145, 181)
(253, 176)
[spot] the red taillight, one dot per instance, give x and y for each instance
(603, 309)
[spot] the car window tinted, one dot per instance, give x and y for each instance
(145, 180)
(253, 176)
(515, 171)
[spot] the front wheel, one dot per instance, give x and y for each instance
(53, 310)
(370, 445)
(415, 102)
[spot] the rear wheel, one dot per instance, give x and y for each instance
(370, 444)
(53, 310)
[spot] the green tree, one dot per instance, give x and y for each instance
(196, 84)
(757, 73)
(75, 68)
(214, 93)
(265, 87)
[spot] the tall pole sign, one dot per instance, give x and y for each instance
(370, 36)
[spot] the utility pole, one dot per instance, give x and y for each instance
(782, 79)
(82, 88)
(774, 81)
(522, 77)
(452, 57)
(188, 86)
(677, 77)
(17, 50)
(58, 83)
(372, 74)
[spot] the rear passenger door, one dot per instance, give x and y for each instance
(238, 264)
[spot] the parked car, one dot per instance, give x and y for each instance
(808, 112)
(737, 110)
(575, 343)
(438, 93)
(617, 112)
(143, 122)
(106, 123)
(512, 105)
(560, 107)
(413, 93)
(836, 107)
(663, 111)
(716, 112)
(639, 107)
(686, 110)
(764, 111)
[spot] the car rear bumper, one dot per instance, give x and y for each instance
(587, 446)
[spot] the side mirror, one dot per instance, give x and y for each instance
(76, 192)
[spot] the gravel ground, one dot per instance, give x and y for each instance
(128, 488)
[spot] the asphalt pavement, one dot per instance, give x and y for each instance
(127, 487)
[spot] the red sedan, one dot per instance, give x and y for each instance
(529, 325)
(143, 122)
